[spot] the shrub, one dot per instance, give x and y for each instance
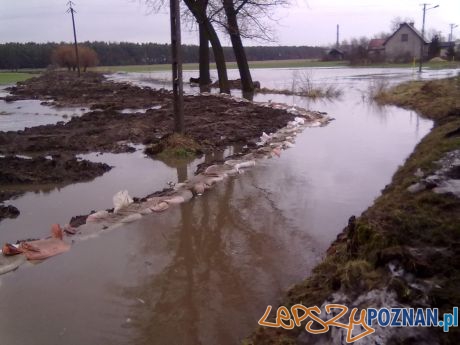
(64, 56)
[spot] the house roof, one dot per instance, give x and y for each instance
(376, 43)
(410, 27)
(335, 51)
(444, 45)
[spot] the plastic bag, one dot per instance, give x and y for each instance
(120, 200)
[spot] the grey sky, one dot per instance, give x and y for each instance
(307, 22)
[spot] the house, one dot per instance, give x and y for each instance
(404, 44)
(376, 50)
(444, 49)
(335, 54)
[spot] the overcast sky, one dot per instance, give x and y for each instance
(306, 22)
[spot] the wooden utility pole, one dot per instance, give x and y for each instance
(422, 44)
(178, 89)
(71, 10)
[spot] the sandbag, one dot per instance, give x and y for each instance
(97, 216)
(10, 263)
(43, 249)
(159, 207)
(131, 218)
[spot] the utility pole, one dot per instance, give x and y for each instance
(423, 36)
(72, 11)
(452, 27)
(178, 89)
(337, 41)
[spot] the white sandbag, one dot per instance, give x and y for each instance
(120, 200)
(160, 207)
(10, 263)
(215, 169)
(198, 188)
(174, 200)
(287, 144)
(232, 162)
(145, 211)
(186, 194)
(245, 164)
(276, 152)
(178, 186)
(314, 124)
(131, 218)
(299, 120)
(97, 216)
(212, 180)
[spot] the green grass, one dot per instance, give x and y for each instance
(434, 98)
(14, 77)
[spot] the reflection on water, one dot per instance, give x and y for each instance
(203, 272)
(199, 273)
(56, 204)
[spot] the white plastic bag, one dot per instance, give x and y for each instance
(120, 200)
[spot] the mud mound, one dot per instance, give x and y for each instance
(14, 170)
(91, 90)
(209, 120)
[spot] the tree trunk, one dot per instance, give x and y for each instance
(238, 49)
(198, 10)
(219, 58)
(205, 78)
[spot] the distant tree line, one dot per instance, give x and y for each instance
(39, 55)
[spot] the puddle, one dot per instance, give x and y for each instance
(204, 272)
(15, 116)
(141, 110)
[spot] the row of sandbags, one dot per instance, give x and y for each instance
(126, 210)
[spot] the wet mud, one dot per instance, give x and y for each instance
(214, 122)
(211, 121)
(17, 175)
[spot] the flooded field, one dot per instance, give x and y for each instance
(203, 272)
(15, 116)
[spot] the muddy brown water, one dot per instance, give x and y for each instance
(203, 272)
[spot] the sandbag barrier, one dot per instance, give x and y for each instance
(127, 210)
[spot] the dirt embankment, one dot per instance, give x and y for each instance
(210, 121)
(404, 251)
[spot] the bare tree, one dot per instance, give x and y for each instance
(397, 21)
(198, 9)
(244, 19)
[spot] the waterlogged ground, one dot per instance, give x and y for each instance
(18, 115)
(204, 272)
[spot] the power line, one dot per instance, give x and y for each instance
(72, 11)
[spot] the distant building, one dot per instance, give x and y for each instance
(376, 50)
(404, 44)
(444, 48)
(335, 54)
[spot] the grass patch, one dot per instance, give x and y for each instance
(302, 85)
(174, 146)
(434, 99)
(14, 77)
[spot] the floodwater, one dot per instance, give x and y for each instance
(15, 116)
(204, 272)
